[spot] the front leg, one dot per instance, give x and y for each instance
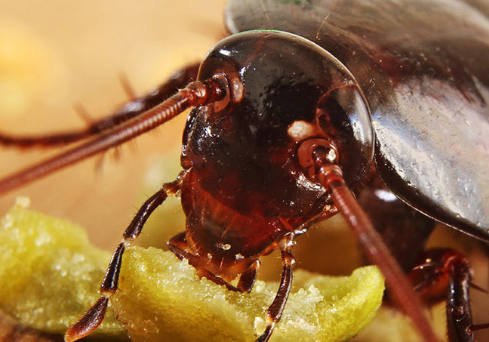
(95, 315)
(274, 312)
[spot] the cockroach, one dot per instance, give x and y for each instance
(289, 112)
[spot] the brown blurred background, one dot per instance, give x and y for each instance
(56, 54)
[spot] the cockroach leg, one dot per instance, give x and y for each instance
(248, 277)
(125, 113)
(95, 315)
(446, 273)
(274, 312)
(436, 274)
(459, 314)
(180, 247)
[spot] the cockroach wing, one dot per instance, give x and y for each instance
(424, 69)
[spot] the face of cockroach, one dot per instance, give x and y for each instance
(88, 195)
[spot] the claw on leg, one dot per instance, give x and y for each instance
(89, 322)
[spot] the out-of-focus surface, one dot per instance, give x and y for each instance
(56, 54)
(49, 273)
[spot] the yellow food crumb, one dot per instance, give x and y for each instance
(161, 298)
(50, 273)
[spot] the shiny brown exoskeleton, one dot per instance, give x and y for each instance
(279, 135)
(271, 146)
(248, 175)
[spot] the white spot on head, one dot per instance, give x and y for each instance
(300, 129)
